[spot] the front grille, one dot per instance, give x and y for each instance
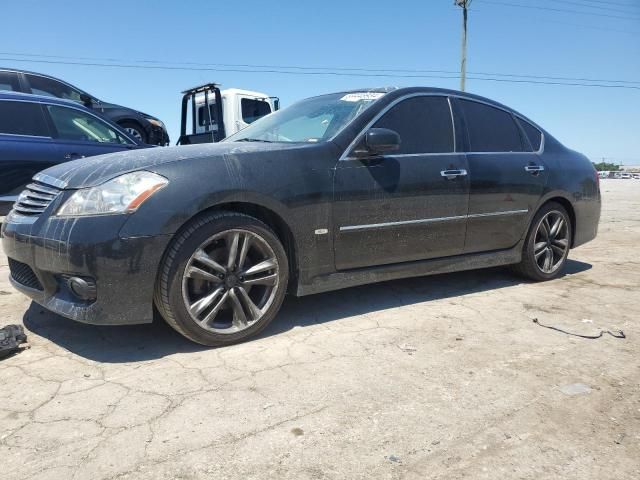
(23, 274)
(35, 199)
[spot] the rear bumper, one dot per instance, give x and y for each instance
(587, 220)
(123, 269)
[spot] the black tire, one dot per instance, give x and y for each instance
(528, 266)
(136, 130)
(168, 295)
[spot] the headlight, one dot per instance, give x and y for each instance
(155, 122)
(123, 194)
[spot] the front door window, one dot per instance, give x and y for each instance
(74, 124)
(423, 123)
(53, 88)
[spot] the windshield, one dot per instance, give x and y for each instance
(312, 120)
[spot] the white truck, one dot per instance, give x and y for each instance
(210, 114)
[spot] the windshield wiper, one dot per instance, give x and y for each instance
(254, 140)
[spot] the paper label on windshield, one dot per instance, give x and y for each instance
(357, 97)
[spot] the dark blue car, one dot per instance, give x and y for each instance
(37, 132)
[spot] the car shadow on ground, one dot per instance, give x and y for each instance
(135, 343)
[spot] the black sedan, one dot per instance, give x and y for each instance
(334, 191)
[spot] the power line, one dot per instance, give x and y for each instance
(546, 77)
(594, 27)
(563, 10)
(247, 65)
(581, 25)
(316, 73)
(600, 7)
(629, 5)
(319, 68)
(555, 83)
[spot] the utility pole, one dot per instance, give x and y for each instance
(464, 4)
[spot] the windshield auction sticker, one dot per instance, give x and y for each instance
(357, 97)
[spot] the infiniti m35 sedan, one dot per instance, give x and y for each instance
(335, 191)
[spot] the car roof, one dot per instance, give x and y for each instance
(29, 97)
(38, 74)
(17, 70)
(401, 91)
(397, 92)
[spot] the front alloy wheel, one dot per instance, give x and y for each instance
(223, 279)
(230, 281)
(134, 130)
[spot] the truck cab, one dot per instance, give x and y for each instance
(215, 114)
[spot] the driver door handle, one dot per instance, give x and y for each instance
(451, 174)
(534, 168)
(72, 156)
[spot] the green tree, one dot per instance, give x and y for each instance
(606, 167)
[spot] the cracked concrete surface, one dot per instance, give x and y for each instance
(442, 377)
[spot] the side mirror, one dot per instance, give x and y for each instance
(378, 141)
(86, 100)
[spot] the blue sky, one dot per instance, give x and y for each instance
(424, 35)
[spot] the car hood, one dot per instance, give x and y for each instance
(88, 172)
(115, 106)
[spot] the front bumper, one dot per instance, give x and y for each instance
(124, 269)
(158, 135)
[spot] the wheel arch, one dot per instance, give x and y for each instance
(130, 120)
(267, 216)
(568, 206)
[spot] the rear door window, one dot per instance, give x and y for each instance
(490, 129)
(9, 81)
(22, 118)
(423, 123)
(253, 109)
(533, 134)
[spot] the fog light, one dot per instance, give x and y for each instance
(82, 288)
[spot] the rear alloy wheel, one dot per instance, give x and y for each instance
(226, 279)
(547, 244)
(551, 242)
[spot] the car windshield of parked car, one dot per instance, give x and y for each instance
(312, 120)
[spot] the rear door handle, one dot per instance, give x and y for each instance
(451, 174)
(72, 156)
(534, 168)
